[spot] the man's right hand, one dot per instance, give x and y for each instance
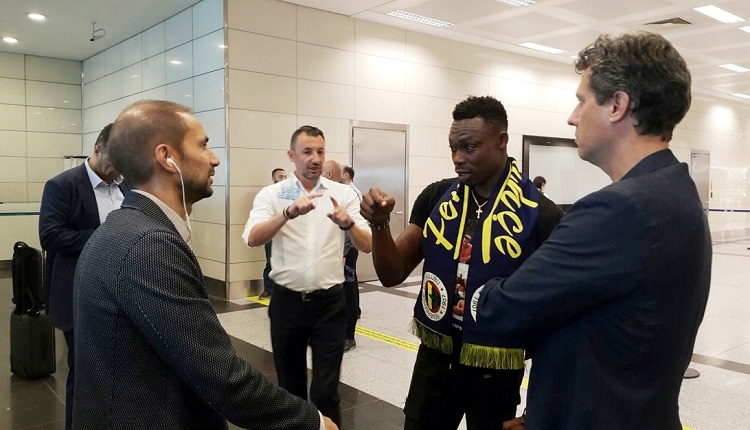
(329, 424)
(376, 206)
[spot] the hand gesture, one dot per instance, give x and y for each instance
(302, 205)
(340, 216)
(376, 206)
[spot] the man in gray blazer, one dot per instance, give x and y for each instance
(150, 350)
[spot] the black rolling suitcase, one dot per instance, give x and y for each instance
(32, 338)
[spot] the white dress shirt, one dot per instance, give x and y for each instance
(108, 196)
(306, 254)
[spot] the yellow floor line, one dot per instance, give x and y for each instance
(392, 340)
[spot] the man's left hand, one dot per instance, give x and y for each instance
(340, 216)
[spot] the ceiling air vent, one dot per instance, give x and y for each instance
(670, 22)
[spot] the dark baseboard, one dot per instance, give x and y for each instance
(216, 288)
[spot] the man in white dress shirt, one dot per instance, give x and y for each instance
(306, 216)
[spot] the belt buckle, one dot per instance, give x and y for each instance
(305, 297)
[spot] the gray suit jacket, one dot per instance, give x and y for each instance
(150, 351)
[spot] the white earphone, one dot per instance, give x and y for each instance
(184, 205)
(170, 160)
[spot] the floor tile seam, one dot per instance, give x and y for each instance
(721, 363)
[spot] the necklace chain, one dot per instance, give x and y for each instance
(479, 207)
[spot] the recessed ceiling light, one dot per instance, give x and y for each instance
(734, 68)
(176, 62)
(740, 95)
(543, 48)
(36, 16)
(9, 39)
(745, 29)
(718, 14)
(517, 2)
(419, 18)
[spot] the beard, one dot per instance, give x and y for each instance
(196, 189)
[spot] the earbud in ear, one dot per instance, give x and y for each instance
(172, 162)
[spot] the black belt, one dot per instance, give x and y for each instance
(309, 296)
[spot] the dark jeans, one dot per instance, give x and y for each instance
(319, 320)
(267, 283)
(70, 382)
(351, 293)
(440, 394)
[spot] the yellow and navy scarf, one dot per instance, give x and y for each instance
(504, 236)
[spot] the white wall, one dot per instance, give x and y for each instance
(40, 122)
(180, 59)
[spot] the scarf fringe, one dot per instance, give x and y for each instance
(490, 357)
(430, 338)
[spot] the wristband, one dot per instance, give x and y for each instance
(347, 227)
(381, 226)
(285, 212)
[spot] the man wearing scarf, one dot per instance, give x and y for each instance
(480, 225)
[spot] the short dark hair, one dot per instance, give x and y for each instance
(649, 69)
(487, 107)
(349, 171)
(539, 181)
(138, 130)
(308, 130)
(103, 139)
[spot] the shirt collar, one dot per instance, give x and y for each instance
(322, 182)
(179, 223)
(95, 179)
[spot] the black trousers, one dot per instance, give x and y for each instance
(70, 382)
(442, 392)
(317, 319)
(351, 293)
(267, 283)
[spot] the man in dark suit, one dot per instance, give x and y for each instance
(74, 203)
(150, 350)
(612, 301)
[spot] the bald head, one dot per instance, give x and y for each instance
(332, 170)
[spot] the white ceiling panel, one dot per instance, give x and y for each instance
(611, 9)
(565, 24)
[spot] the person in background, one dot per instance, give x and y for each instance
(278, 174)
(306, 215)
(150, 351)
(539, 183)
(74, 204)
(333, 171)
(468, 229)
(613, 300)
(351, 287)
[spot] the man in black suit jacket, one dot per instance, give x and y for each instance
(613, 299)
(74, 203)
(151, 352)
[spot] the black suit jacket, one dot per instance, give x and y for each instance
(613, 299)
(150, 351)
(67, 218)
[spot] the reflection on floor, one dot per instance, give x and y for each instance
(375, 375)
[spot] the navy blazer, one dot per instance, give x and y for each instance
(612, 301)
(150, 351)
(67, 218)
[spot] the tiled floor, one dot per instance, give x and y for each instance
(375, 375)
